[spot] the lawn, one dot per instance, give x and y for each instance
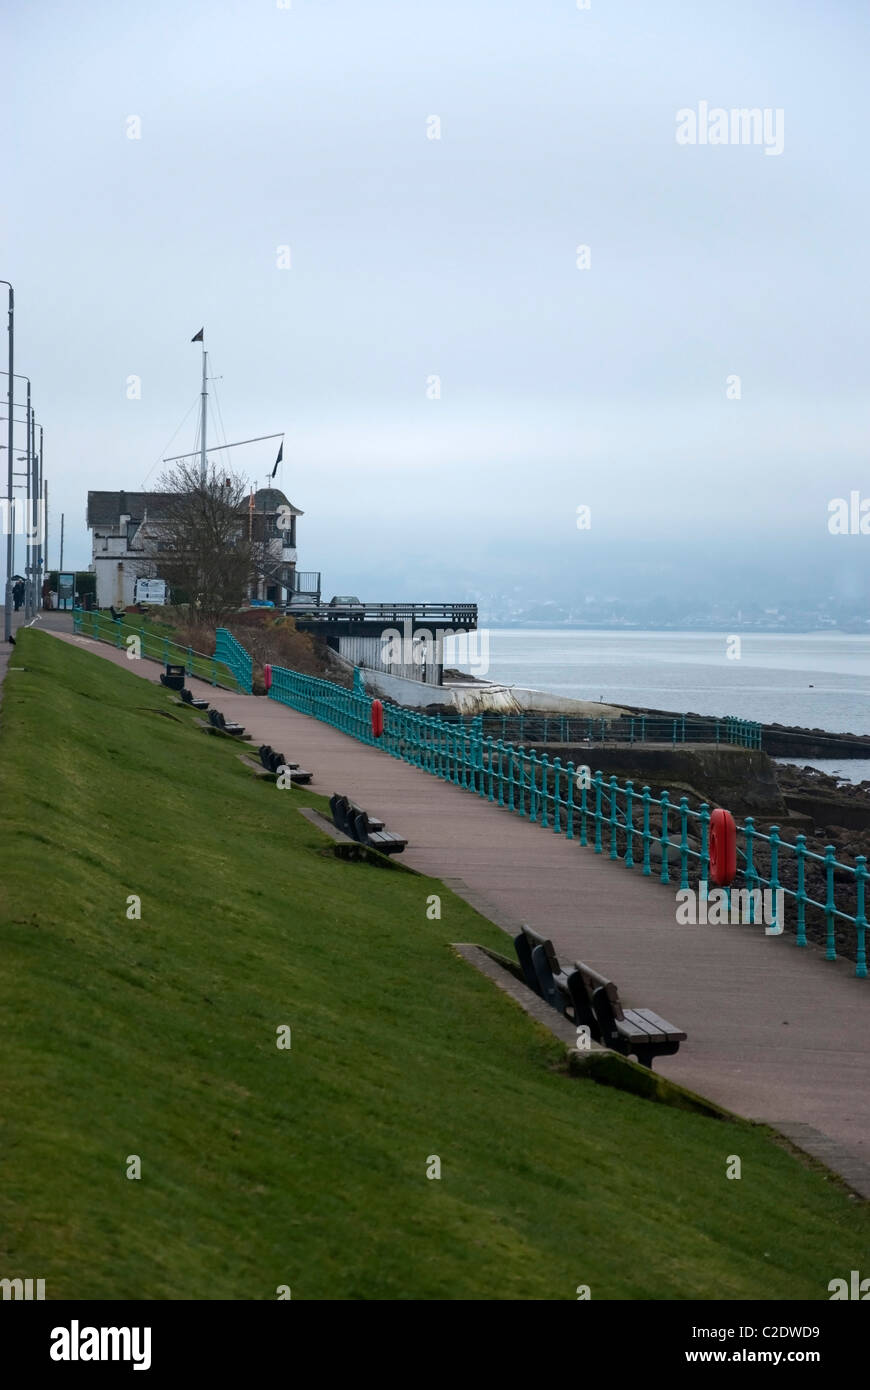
(306, 1166)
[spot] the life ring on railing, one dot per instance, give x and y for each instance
(267, 678)
(377, 718)
(723, 848)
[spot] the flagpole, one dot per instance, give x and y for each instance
(202, 450)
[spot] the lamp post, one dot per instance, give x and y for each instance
(7, 605)
(33, 534)
(30, 422)
(41, 525)
(28, 539)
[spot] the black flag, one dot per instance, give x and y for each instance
(199, 338)
(279, 458)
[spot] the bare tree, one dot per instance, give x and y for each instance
(200, 543)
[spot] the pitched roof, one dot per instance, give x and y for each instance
(269, 499)
(106, 508)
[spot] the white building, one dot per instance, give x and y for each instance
(125, 535)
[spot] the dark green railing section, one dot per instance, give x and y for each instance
(531, 727)
(233, 655)
(153, 647)
(670, 839)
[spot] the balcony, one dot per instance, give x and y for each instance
(304, 589)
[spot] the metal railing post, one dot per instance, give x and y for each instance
(684, 842)
(598, 781)
(860, 919)
(830, 941)
(665, 876)
(801, 852)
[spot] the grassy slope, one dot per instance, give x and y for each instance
(307, 1167)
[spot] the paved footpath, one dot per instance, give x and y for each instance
(775, 1033)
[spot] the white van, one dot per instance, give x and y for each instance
(149, 591)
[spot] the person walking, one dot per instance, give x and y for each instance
(18, 593)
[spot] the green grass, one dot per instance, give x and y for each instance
(307, 1167)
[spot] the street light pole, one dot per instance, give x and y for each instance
(28, 544)
(29, 422)
(44, 553)
(41, 524)
(7, 606)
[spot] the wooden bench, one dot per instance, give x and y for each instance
(383, 840)
(630, 1031)
(217, 720)
(274, 762)
(356, 823)
(189, 699)
(345, 812)
(590, 999)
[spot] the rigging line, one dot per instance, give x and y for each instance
(220, 413)
(166, 446)
(218, 426)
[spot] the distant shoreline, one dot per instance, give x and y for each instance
(628, 629)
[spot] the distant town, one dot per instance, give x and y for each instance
(677, 614)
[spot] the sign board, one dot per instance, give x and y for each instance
(66, 590)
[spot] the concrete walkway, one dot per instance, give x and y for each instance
(775, 1033)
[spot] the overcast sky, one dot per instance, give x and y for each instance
(413, 257)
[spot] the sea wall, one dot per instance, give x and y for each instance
(467, 699)
(742, 779)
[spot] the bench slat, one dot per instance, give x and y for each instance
(672, 1033)
(633, 1025)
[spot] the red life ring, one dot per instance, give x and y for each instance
(267, 677)
(377, 718)
(723, 848)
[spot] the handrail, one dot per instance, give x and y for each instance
(462, 613)
(233, 655)
(558, 798)
(93, 623)
(640, 728)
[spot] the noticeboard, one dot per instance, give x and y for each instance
(66, 590)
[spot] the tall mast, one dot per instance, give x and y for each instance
(202, 464)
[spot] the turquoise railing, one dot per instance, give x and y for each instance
(153, 647)
(636, 728)
(621, 821)
(233, 655)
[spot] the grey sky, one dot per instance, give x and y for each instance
(307, 127)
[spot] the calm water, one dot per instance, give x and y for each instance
(818, 680)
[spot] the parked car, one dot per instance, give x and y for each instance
(345, 601)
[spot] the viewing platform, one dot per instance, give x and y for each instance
(360, 616)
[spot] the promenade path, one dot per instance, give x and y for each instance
(775, 1033)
